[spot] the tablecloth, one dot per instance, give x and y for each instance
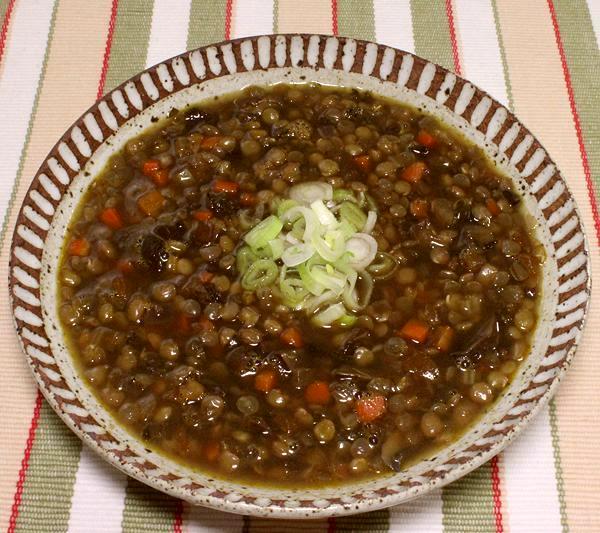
(539, 57)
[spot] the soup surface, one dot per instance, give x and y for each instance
(299, 286)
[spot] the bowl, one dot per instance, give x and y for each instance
(83, 150)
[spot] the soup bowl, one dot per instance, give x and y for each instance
(227, 67)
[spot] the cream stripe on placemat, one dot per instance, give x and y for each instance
(309, 16)
(57, 106)
(422, 515)
(530, 491)
(539, 86)
(98, 496)
(168, 33)
(252, 17)
(396, 30)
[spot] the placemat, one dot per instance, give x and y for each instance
(540, 58)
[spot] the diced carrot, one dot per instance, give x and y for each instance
(247, 199)
(230, 187)
(292, 337)
(265, 380)
(79, 247)
(211, 451)
(317, 393)
(363, 162)
(206, 276)
(492, 207)
(151, 203)
(208, 143)
(414, 172)
(125, 266)
(444, 335)
(182, 324)
(203, 215)
(161, 177)
(370, 408)
(206, 324)
(419, 208)
(426, 139)
(415, 330)
(150, 167)
(112, 218)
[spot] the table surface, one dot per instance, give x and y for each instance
(540, 58)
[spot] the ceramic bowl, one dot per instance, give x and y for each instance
(222, 68)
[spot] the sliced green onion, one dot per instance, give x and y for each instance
(310, 191)
(325, 216)
(331, 247)
(265, 231)
(277, 248)
(296, 254)
(382, 266)
(354, 215)
(330, 280)
(310, 283)
(342, 195)
(330, 315)
(347, 321)
(315, 302)
(370, 223)
(244, 258)
(292, 291)
(285, 205)
(261, 273)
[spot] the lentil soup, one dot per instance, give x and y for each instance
(299, 285)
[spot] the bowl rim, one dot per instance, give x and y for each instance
(28, 318)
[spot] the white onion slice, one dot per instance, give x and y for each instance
(325, 216)
(310, 191)
(370, 223)
(363, 248)
(329, 315)
(296, 254)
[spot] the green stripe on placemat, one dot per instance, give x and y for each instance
(583, 60)
(207, 23)
(468, 505)
(50, 476)
(147, 509)
(356, 19)
(560, 486)
(374, 521)
(431, 31)
(129, 42)
(505, 72)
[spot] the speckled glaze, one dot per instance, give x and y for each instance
(83, 150)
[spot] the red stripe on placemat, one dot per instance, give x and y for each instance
(107, 48)
(497, 495)
(453, 39)
(228, 14)
(5, 24)
(584, 158)
(334, 17)
(178, 521)
(14, 514)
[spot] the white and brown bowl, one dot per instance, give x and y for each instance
(223, 68)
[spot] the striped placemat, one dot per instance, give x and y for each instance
(539, 57)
